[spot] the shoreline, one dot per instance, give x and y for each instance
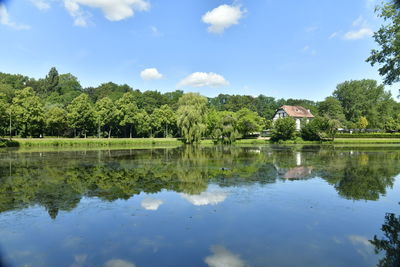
(154, 142)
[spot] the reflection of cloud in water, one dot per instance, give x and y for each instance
(118, 263)
(223, 258)
(359, 240)
(151, 203)
(362, 245)
(206, 198)
(79, 260)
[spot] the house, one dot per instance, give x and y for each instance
(296, 112)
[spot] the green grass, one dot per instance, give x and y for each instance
(151, 142)
(95, 142)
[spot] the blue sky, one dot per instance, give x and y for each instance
(285, 48)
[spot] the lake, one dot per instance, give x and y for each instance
(207, 206)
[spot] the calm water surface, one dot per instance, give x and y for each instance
(207, 206)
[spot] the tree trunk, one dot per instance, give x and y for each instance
(130, 132)
(109, 133)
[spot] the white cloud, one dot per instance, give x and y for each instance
(201, 79)
(358, 34)
(312, 29)
(41, 4)
(113, 10)
(150, 74)
(223, 258)
(151, 203)
(363, 30)
(206, 198)
(222, 17)
(118, 263)
(5, 20)
(81, 18)
(333, 35)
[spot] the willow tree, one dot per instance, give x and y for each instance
(191, 117)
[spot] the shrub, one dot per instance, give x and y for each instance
(311, 131)
(284, 129)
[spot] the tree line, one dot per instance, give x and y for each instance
(58, 105)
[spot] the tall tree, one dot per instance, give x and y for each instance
(51, 81)
(249, 122)
(331, 108)
(81, 116)
(4, 116)
(106, 115)
(191, 117)
(164, 118)
(28, 111)
(126, 112)
(388, 39)
(363, 98)
(56, 120)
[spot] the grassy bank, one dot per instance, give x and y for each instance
(149, 142)
(90, 142)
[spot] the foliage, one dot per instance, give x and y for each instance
(388, 40)
(391, 243)
(284, 129)
(248, 122)
(364, 98)
(191, 117)
(56, 120)
(362, 122)
(331, 108)
(311, 131)
(126, 112)
(28, 112)
(106, 115)
(81, 114)
(225, 130)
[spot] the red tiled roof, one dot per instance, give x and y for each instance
(297, 111)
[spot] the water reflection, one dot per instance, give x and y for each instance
(222, 257)
(59, 180)
(390, 244)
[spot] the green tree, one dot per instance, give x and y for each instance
(191, 117)
(126, 112)
(164, 119)
(28, 111)
(106, 115)
(388, 40)
(4, 115)
(284, 129)
(248, 122)
(362, 123)
(331, 108)
(364, 98)
(143, 126)
(226, 130)
(392, 125)
(56, 120)
(81, 116)
(51, 81)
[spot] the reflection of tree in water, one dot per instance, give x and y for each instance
(391, 243)
(58, 180)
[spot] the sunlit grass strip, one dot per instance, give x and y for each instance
(99, 142)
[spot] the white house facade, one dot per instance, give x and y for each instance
(298, 113)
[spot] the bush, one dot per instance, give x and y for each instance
(311, 131)
(368, 135)
(284, 129)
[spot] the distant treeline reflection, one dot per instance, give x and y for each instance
(58, 180)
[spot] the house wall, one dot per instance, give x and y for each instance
(280, 114)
